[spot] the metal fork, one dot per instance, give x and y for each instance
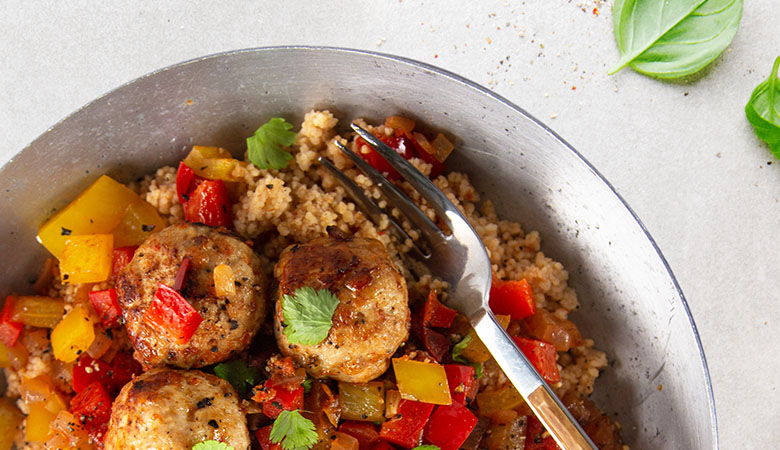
(460, 259)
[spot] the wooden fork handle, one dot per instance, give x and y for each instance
(548, 411)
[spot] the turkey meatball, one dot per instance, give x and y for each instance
(176, 409)
(229, 321)
(372, 317)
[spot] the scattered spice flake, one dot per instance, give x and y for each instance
(435, 55)
(189, 102)
(574, 88)
(595, 11)
(488, 40)
(380, 42)
(553, 116)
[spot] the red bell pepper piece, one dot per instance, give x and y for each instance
(463, 383)
(92, 408)
(366, 433)
(437, 167)
(208, 204)
(381, 445)
(406, 427)
(111, 376)
(276, 397)
(9, 330)
(436, 315)
(121, 257)
(401, 144)
(542, 356)
(87, 371)
(449, 426)
(435, 343)
(513, 298)
(536, 437)
(106, 307)
(173, 313)
(264, 439)
(186, 182)
(123, 368)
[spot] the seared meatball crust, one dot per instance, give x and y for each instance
(229, 323)
(372, 318)
(176, 409)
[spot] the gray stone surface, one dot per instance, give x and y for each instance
(681, 153)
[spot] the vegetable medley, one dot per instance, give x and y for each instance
(347, 357)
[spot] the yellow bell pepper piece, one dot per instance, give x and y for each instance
(5, 361)
(476, 351)
(224, 281)
(38, 311)
(421, 381)
(36, 429)
(97, 210)
(56, 403)
(500, 400)
(362, 401)
(86, 259)
(140, 220)
(73, 335)
(10, 418)
(214, 163)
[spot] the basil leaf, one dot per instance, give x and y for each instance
(673, 38)
(763, 110)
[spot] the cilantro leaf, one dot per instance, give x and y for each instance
(211, 445)
(238, 374)
(426, 447)
(308, 315)
(457, 354)
(294, 431)
(306, 385)
(264, 148)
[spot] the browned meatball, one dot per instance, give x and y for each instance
(372, 318)
(229, 322)
(176, 409)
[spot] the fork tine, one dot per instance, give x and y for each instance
(371, 209)
(433, 195)
(396, 198)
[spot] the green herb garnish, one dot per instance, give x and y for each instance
(763, 110)
(239, 375)
(308, 315)
(293, 431)
(457, 354)
(426, 447)
(211, 445)
(265, 147)
(673, 38)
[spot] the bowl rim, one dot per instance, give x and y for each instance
(469, 84)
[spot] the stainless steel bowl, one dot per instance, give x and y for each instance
(657, 385)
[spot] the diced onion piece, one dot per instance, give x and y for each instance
(17, 355)
(400, 123)
(56, 403)
(37, 311)
(86, 259)
(10, 418)
(101, 344)
(343, 441)
(421, 381)
(443, 147)
(362, 401)
(36, 427)
(392, 402)
(506, 435)
(97, 210)
(424, 143)
(224, 282)
(67, 426)
(35, 390)
(561, 333)
(73, 335)
(45, 276)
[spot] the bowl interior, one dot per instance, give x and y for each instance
(657, 384)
